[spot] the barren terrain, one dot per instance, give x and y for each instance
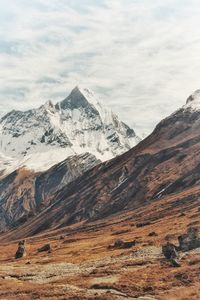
(81, 264)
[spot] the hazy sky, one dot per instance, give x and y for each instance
(141, 56)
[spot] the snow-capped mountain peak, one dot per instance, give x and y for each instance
(80, 98)
(194, 97)
(193, 102)
(89, 95)
(39, 138)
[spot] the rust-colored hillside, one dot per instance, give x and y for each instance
(81, 264)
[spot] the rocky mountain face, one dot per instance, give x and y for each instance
(24, 193)
(165, 163)
(77, 125)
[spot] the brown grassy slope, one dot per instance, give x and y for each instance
(81, 266)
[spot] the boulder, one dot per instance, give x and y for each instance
(170, 252)
(21, 250)
(190, 240)
(187, 241)
(45, 248)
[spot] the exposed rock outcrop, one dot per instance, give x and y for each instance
(187, 242)
(190, 240)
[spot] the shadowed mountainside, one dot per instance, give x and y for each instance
(25, 193)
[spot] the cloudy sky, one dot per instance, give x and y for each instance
(141, 56)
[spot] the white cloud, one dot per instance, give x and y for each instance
(142, 57)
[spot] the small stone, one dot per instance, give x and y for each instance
(153, 233)
(45, 248)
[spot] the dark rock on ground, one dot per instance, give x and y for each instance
(119, 244)
(170, 252)
(187, 242)
(70, 241)
(21, 250)
(45, 248)
(190, 240)
(183, 277)
(153, 233)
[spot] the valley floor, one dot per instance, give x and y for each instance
(81, 264)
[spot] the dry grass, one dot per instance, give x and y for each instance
(82, 267)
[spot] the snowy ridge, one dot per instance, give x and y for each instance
(193, 102)
(39, 138)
